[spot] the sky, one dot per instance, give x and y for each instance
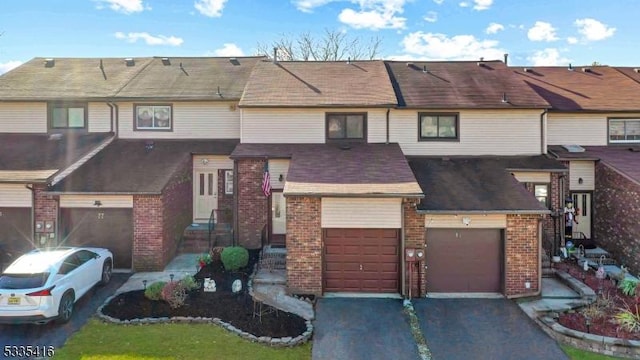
(538, 32)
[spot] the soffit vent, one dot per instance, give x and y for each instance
(573, 148)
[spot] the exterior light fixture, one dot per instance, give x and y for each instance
(580, 181)
(97, 203)
(281, 178)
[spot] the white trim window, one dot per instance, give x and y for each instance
(624, 131)
(153, 117)
(228, 182)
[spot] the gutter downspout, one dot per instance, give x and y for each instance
(543, 131)
(115, 117)
(403, 263)
(388, 110)
(33, 213)
(236, 195)
(110, 105)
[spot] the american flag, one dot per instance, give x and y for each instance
(266, 180)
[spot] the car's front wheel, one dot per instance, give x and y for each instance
(65, 309)
(107, 269)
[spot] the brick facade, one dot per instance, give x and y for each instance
(615, 216)
(550, 227)
(414, 237)
(177, 205)
(225, 201)
(252, 204)
(45, 210)
(304, 245)
(522, 255)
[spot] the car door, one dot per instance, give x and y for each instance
(88, 271)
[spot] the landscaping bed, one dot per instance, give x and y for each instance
(599, 318)
(237, 309)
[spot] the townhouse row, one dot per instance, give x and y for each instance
(470, 162)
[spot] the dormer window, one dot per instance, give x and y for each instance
(68, 115)
(624, 131)
(346, 126)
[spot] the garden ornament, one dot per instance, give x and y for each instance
(236, 286)
(209, 285)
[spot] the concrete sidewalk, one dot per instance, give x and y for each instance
(181, 266)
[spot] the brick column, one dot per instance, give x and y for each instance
(304, 245)
(414, 237)
(147, 233)
(522, 254)
(252, 204)
(45, 210)
(177, 210)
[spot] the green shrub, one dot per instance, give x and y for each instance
(628, 286)
(190, 283)
(174, 293)
(629, 319)
(234, 257)
(154, 291)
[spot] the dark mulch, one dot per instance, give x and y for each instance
(605, 323)
(236, 309)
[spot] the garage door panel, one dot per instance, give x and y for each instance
(107, 228)
(464, 260)
(367, 260)
(15, 229)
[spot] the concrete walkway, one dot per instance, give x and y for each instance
(181, 266)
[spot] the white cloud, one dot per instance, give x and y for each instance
(493, 28)
(439, 2)
(9, 65)
(542, 31)
(149, 39)
(593, 30)
(210, 8)
(572, 40)
(123, 6)
(229, 49)
(436, 46)
(482, 4)
(375, 14)
(548, 57)
(308, 5)
(464, 4)
(431, 17)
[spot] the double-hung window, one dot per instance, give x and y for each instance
(349, 126)
(438, 127)
(153, 117)
(624, 131)
(541, 191)
(68, 115)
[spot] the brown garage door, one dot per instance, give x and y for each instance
(464, 260)
(361, 260)
(15, 232)
(107, 228)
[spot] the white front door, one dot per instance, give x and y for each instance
(582, 202)
(205, 190)
(278, 213)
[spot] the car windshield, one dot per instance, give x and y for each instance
(23, 281)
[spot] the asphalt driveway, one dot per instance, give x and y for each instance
(55, 334)
(482, 329)
(347, 328)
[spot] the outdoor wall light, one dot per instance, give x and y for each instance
(580, 181)
(204, 161)
(97, 203)
(281, 178)
(466, 221)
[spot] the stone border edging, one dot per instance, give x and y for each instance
(283, 342)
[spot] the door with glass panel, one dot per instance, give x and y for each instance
(205, 183)
(582, 203)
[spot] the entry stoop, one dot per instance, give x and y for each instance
(273, 258)
(195, 238)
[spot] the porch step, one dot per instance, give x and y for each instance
(272, 258)
(270, 277)
(548, 272)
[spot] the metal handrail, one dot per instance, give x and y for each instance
(211, 225)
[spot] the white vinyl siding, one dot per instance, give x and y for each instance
(475, 221)
(584, 170)
(306, 126)
(191, 120)
(373, 213)
(278, 167)
(23, 117)
(88, 201)
(211, 162)
(14, 195)
(532, 176)
(481, 132)
(99, 117)
(581, 129)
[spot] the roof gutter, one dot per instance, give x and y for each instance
(482, 212)
(339, 195)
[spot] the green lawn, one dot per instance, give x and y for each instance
(577, 354)
(102, 341)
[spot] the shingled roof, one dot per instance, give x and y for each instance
(598, 88)
(191, 78)
(318, 84)
(68, 78)
(460, 85)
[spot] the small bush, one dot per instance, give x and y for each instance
(628, 286)
(629, 319)
(234, 257)
(174, 293)
(154, 291)
(190, 283)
